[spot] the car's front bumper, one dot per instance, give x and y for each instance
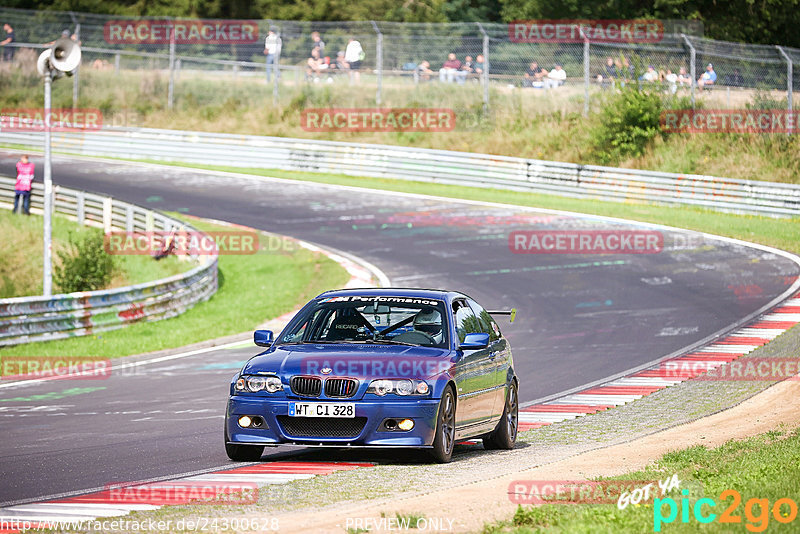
(280, 429)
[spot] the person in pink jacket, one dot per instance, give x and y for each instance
(22, 189)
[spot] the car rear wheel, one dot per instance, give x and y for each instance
(242, 453)
(504, 436)
(445, 437)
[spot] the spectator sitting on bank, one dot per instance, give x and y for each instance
(608, 74)
(480, 65)
(683, 77)
(66, 34)
(316, 65)
(534, 76)
(650, 75)
(735, 79)
(709, 77)
(423, 71)
(341, 64)
(449, 68)
(671, 80)
(555, 77)
(466, 69)
(8, 51)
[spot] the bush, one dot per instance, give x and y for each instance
(84, 265)
(627, 124)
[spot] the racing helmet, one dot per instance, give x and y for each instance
(429, 321)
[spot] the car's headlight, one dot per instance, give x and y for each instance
(403, 387)
(254, 384)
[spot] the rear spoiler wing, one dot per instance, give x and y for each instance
(512, 313)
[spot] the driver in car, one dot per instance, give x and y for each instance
(429, 321)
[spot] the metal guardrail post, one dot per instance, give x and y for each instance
(692, 64)
(378, 61)
(116, 63)
(170, 98)
(485, 68)
(129, 218)
(80, 206)
(789, 83)
(107, 214)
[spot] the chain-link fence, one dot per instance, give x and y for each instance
(403, 56)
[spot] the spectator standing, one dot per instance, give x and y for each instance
(272, 48)
(534, 75)
(354, 55)
(8, 51)
(318, 43)
(709, 77)
(449, 68)
(23, 186)
(555, 77)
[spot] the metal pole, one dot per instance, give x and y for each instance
(170, 97)
(276, 68)
(789, 88)
(378, 62)
(585, 75)
(692, 64)
(485, 68)
(76, 76)
(47, 275)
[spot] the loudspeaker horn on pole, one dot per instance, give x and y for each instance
(61, 58)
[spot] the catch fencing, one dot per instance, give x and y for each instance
(418, 164)
(395, 52)
(26, 319)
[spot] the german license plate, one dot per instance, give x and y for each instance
(322, 409)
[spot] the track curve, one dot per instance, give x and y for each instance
(581, 318)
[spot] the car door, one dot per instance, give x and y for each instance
(475, 371)
(499, 354)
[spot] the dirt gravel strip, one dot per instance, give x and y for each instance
(468, 508)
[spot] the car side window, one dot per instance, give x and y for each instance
(466, 320)
(487, 322)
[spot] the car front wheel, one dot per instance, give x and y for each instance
(242, 453)
(445, 437)
(504, 436)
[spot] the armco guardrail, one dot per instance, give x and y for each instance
(25, 319)
(481, 170)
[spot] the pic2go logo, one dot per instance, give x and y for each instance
(756, 511)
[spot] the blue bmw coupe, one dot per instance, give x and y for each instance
(412, 368)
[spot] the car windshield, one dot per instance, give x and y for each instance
(371, 319)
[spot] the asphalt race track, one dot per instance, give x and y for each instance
(581, 318)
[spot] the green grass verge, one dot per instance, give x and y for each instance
(762, 467)
(21, 253)
(779, 233)
(252, 289)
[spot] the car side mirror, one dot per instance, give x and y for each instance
(475, 342)
(262, 338)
